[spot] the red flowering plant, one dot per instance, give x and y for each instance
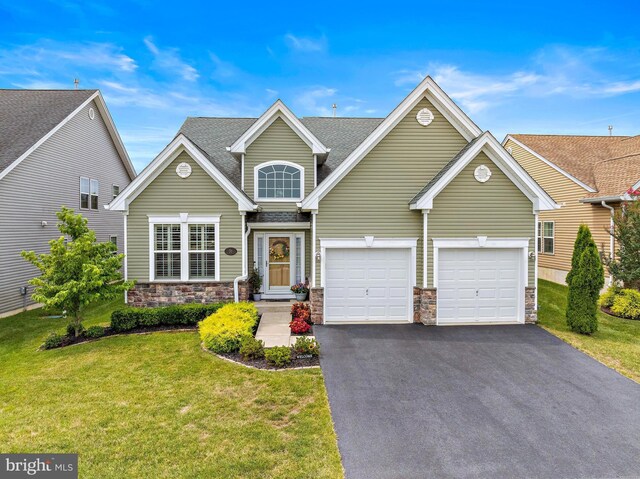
(298, 308)
(299, 326)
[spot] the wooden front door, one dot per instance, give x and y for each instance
(279, 263)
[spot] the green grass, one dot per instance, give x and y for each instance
(616, 343)
(156, 405)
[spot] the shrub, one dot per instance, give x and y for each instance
(95, 332)
(299, 309)
(584, 290)
(224, 330)
(252, 348)
(299, 326)
(304, 315)
(54, 340)
(307, 346)
(278, 356)
(75, 329)
(606, 299)
(627, 304)
(130, 318)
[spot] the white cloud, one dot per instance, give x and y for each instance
(305, 44)
(623, 87)
(169, 60)
(316, 101)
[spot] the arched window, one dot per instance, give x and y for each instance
(279, 181)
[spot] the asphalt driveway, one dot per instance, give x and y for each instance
(482, 401)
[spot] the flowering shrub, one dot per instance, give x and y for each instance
(300, 288)
(298, 307)
(304, 346)
(299, 326)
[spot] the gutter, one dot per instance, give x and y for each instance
(245, 258)
(611, 238)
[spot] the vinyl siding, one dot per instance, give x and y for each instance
(568, 218)
(278, 142)
(467, 208)
(373, 199)
(169, 194)
(49, 178)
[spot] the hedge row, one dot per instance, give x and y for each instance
(130, 318)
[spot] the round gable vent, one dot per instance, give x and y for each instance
(482, 173)
(424, 117)
(183, 170)
(92, 114)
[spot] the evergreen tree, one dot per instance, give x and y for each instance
(584, 290)
(625, 264)
(77, 271)
(583, 239)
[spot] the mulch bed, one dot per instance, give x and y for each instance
(606, 310)
(262, 363)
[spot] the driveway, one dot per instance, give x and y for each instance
(476, 401)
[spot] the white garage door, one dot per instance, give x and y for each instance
(368, 285)
(479, 285)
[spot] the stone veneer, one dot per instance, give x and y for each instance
(424, 306)
(530, 309)
(165, 294)
(316, 298)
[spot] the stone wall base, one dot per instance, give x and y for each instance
(166, 294)
(424, 305)
(530, 309)
(316, 298)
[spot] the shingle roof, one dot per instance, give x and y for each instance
(28, 115)
(214, 135)
(442, 172)
(605, 163)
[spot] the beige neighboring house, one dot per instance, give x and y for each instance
(589, 177)
(419, 216)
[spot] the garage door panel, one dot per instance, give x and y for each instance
(377, 283)
(479, 285)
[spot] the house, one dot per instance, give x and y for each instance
(590, 177)
(419, 216)
(57, 147)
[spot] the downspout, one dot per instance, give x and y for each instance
(126, 255)
(245, 258)
(611, 238)
(313, 248)
(535, 264)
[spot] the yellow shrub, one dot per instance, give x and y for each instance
(224, 330)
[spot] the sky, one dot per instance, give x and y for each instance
(514, 67)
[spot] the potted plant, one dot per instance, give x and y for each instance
(300, 290)
(255, 281)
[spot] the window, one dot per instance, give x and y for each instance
(167, 252)
(94, 194)
(114, 239)
(202, 251)
(546, 237)
(279, 181)
(89, 193)
(84, 193)
(184, 248)
(115, 191)
(298, 259)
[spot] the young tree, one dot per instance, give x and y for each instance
(584, 289)
(625, 264)
(78, 270)
(583, 239)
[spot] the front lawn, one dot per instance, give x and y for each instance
(156, 405)
(616, 343)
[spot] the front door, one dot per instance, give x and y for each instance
(279, 263)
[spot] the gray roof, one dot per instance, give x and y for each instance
(28, 115)
(442, 172)
(214, 135)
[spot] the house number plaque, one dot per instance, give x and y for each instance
(230, 251)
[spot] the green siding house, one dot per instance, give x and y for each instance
(416, 217)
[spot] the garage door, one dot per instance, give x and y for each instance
(479, 285)
(368, 285)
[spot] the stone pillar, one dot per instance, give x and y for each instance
(428, 309)
(316, 297)
(530, 311)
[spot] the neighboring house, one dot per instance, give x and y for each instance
(588, 176)
(57, 147)
(419, 216)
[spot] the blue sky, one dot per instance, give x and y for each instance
(527, 67)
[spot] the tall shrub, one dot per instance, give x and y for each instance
(583, 239)
(584, 289)
(625, 264)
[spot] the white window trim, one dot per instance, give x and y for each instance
(97, 195)
(293, 235)
(489, 243)
(87, 193)
(553, 237)
(257, 168)
(112, 187)
(184, 220)
(375, 243)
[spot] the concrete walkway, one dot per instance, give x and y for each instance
(274, 329)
